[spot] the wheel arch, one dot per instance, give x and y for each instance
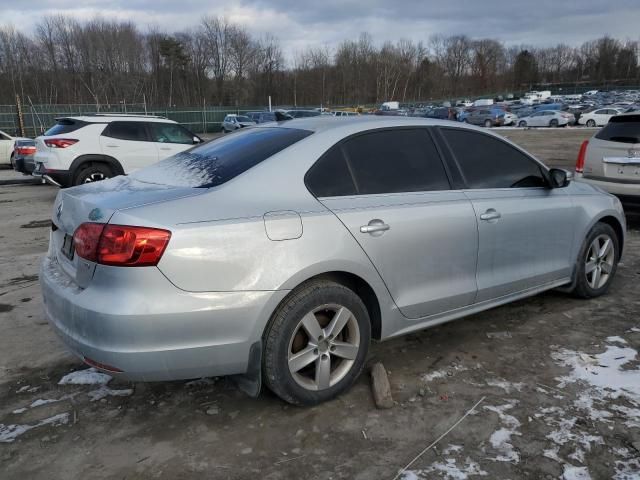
(83, 160)
(359, 286)
(614, 223)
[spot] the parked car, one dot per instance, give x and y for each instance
(343, 113)
(610, 159)
(90, 148)
(254, 116)
(547, 118)
(598, 117)
(303, 113)
(7, 144)
(275, 116)
(488, 117)
(22, 157)
(234, 122)
(202, 265)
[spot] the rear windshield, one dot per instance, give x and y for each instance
(64, 125)
(25, 143)
(622, 129)
(214, 163)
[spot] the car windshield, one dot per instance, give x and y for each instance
(214, 163)
(623, 129)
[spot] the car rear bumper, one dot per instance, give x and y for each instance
(60, 178)
(612, 186)
(136, 321)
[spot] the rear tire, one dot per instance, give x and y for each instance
(591, 123)
(488, 123)
(316, 343)
(522, 124)
(93, 172)
(553, 123)
(597, 262)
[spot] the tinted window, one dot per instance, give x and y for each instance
(268, 117)
(487, 162)
(380, 162)
(243, 119)
(64, 125)
(25, 143)
(330, 176)
(214, 163)
(170, 133)
(135, 131)
(622, 128)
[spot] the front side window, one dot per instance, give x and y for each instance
(387, 161)
(132, 131)
(488, 162)
(170, 133)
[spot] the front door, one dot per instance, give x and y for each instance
(170, 138)
(525, 228)
(390, 190)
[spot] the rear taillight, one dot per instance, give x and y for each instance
(120, 245)
(581, 156)
(60, 142)
(25, 150)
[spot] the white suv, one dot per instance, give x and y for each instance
(89, 148)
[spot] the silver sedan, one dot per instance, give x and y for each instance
(547, 118)
(278, 253)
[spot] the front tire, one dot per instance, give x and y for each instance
(597, 262)
(553, 123)
(591, 123)
(522, 124)
(487, 123)
(94, 172)
(316, 343)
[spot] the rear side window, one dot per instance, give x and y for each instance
(488, 162)
(64, 125)
(622, 129)
(388, 161)
(134, 131)
(214, 163)
(170, 133)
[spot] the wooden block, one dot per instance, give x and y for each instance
(380, 386)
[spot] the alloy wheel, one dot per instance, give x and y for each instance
(323, 347)
(599, 261)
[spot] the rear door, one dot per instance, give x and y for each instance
(171, 138)
(614, 152)
(130, 144)
(525, 228)
(390, 189)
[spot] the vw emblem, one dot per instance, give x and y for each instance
(59, 211)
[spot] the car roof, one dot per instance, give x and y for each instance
(100, 118)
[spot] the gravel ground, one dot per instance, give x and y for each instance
(555, 382)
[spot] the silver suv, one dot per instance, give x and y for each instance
(611, 158)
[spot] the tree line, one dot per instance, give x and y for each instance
(106, 62)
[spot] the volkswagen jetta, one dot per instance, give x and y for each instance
(281, 251)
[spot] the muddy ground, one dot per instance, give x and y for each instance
(555, 382)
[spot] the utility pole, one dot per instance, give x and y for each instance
(20, 116)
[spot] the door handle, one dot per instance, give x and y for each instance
(112, 146)
(490, 214)
(165, 148)
(375, 226)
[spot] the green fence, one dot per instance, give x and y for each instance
(38, 118)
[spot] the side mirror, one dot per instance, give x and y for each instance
(559, 178)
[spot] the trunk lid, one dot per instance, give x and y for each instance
(97, 202)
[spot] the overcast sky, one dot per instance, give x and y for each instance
(298, 23)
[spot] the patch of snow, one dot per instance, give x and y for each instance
(616, 339)
(633, 330)
(17, 411)
(90, 376)
(452, 449)
(506, 386)
(445, 372)
(27, 388)
(602, 371)
(575, 473)
(632, 414)
(501, 438)
(627, 469)
(8, 433)
(448, 469)
(552, 453)
(44, 401)
(578, 455)
(104, 392)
